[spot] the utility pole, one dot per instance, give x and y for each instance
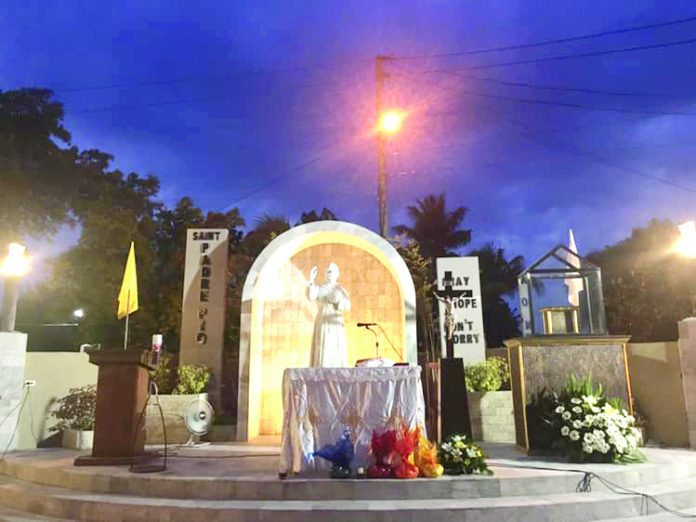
(380, 76)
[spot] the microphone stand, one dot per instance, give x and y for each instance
(389, 341)
(376, 339)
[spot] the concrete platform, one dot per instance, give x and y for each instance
(240, 482)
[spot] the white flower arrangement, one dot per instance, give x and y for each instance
(591, 429)
(459, 455)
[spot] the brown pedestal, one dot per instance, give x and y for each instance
(121, 394)
(545, 362)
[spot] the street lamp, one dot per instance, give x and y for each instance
(13, 267)
(78, 313)
(388, 124)
(686, 245)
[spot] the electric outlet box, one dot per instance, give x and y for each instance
(29, 383)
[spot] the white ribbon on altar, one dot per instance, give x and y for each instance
(320, 403)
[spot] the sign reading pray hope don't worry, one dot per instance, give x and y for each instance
(460, 275)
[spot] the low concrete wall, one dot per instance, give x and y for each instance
(55, 373)
(13, 349)
(656, 379)
(173, 408)
(492, 416)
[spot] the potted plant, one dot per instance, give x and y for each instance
(75, 415)
(174, 396)
(490, 407)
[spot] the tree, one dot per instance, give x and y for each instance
(421, 270)
(170, 254)
(312, 216)
(120, 210)
(39, 179)
(498, 281)
(437, 230)
(267, 228)
(647, 287)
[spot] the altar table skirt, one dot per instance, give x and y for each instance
(320, 403)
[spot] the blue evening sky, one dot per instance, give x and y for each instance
(269, 105)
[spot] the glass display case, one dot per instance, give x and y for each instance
(561, 294)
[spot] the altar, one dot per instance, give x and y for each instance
(320, 403)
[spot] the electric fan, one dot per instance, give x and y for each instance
(198, 418)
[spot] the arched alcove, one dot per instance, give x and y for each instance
(277, 319)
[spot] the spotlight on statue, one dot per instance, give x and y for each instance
(686, 245)
(13, 267)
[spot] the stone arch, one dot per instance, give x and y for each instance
(277, 320)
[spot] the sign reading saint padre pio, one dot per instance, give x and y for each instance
(203, 306)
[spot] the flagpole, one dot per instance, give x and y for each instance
(125, 337)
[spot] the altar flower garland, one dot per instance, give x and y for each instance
(426, 458)
(404, 454)
(340, 455)
(460, 456)
(591, 428)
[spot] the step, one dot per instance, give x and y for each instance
(206, 480)
(663, 516)
(573, 507)
(12, 515)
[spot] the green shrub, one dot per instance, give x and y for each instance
(76, 410)
(162, 375)
(489, 375)
(192, 379)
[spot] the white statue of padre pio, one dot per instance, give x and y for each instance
(329, 347)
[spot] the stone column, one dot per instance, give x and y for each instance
(13, 354)
(687, 354)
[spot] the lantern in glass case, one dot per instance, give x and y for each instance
(561, 294)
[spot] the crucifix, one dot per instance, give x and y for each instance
(447, 297)
(454, 404)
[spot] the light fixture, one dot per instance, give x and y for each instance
(16, 264)
(686, 245)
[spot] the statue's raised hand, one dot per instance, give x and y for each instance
(313, 274)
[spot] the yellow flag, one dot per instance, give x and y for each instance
(128, 296)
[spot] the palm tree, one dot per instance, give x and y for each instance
(498, 275)
(437, 230)
(266, 228)
(498, 280)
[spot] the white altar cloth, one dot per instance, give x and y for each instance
(320, 403)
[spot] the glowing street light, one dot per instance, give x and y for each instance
(388, 124)
(79, 313)
(13, 267)
(686, 245)
(390, 121)
(16, 263)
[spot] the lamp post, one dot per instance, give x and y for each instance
(686, 246)
(389, 123)
(13, 267)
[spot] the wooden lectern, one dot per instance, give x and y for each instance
(122, 387)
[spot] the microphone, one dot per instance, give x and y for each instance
(365, 325)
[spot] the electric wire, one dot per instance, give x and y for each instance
(20, 404)
(582, 90)
(597, 157)
(562, 57)
(573, 105)
(549, 42)
(280, 177)
(585, 486)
